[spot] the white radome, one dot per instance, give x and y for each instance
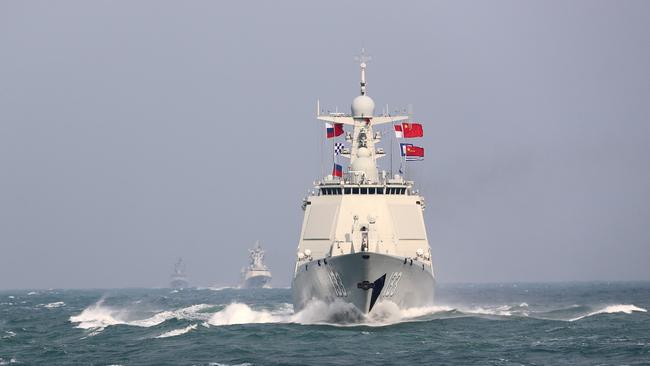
(363, 106)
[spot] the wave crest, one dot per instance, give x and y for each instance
(177, 332)
(99, 316)
(612, 309)
(336, 313)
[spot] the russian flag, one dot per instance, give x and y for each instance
(412, 152)
(337, 171)
(334, 130)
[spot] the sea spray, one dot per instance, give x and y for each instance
(99, 316)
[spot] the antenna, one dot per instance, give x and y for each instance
(362, 59)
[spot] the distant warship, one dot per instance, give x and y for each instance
(256, 275)
(363, 238)
(179, 280)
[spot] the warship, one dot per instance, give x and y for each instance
(256, 275)
(179, 280)
(363, 239)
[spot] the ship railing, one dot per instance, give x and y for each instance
(354, 178)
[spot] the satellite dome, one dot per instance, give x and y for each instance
(363, 106)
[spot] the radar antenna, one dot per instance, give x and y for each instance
(362, 59)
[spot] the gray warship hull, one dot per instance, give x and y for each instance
(364, 280)
(179, 284)
(257, 282)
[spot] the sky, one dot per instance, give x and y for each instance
(136, 132)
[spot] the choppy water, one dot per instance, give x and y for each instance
(510, 324)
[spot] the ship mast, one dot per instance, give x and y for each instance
(363, 58)
(362, 153)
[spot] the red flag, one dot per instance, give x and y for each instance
(412, 130)
(334, 130)
(412, 152)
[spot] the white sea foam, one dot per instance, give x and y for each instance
(7, 362)
(503, 310)
(53, 305)
(318, 312)
(221, 288)
(99, 316)
(238, 313)
(225, 364)
(32, 293)
(611, 309)
(177, 332)
(9, 334)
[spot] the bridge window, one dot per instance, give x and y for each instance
(348, 190)
(355, 190)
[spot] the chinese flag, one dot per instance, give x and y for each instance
(412, 130)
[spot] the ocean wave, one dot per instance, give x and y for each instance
(9, 334)
(177, 332)
(99, 316)
(337, 313)
(7, 362)
(221, 288)
(612, 309)
(572, 313)
(53, 305)
(496, 310)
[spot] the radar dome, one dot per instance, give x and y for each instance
(363, 106)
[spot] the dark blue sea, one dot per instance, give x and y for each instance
(496, 324)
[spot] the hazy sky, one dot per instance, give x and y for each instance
(135, 132)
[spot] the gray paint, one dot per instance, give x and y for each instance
(132, 133)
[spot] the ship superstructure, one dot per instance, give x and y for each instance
(363, 238)
(178, 277)
(256, 274)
